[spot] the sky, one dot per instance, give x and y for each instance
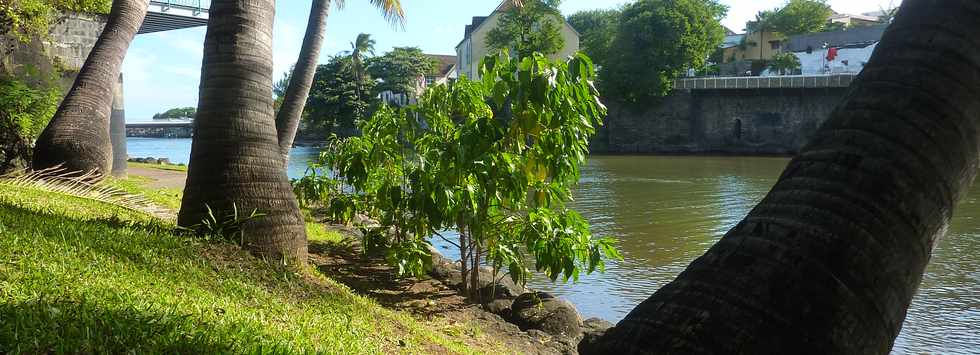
(162, 70)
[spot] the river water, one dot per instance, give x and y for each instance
(666, 211)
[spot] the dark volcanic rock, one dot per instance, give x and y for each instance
(592, 330)
(499, 307)
(545, 312)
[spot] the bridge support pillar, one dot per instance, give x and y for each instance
(117, 131)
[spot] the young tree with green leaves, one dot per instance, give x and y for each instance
(400, 69)
(656, 41)
(597, 29)
(528, 27)
(493, 159)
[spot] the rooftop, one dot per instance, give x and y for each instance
(446, 64)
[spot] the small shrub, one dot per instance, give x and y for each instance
(226, 226)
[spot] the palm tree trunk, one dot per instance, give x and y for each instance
(78, 135)
(235, 158)
(289, 115)
(829, 261)
(117, 131)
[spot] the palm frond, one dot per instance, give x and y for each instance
(390, 9)
(84, 185)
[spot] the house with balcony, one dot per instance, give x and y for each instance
(471, 50)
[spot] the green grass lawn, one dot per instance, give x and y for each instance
(171, 167)
(166, 197)
(80, 276)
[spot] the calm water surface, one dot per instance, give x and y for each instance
(666, 211)
(179, 151)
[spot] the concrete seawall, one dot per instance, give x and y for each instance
(719, 121)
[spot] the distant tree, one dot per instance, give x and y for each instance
(532, 26)
(802, 16)
(784, 63)
(279, 92)
(279, 87)
(597, 29)
(291, 104)
(181, 112)
(764, 23)
(887, 14)
(657, 40)
(400, 69)
(360, 48)
(796, 17)
(338, 97)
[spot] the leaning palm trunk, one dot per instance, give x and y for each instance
(235, 162)
(830, 259)
(289, 115)
(78, 135)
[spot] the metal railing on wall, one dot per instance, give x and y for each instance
(766, 82)
(196, 5)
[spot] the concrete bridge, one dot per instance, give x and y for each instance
(169, 15)
(160, 129)
(726, 115)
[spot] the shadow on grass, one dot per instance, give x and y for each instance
(64, 326)
(372, 276)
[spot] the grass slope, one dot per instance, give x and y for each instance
(170, 167)
(85, 277)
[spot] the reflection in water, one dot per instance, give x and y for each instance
(666, 211)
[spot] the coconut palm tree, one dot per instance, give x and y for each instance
(829, 260)
(298, 89)
(361, 46)
(78, 134)
(235, 162)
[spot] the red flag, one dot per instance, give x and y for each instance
(831, 53)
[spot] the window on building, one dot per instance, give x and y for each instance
(774, 44)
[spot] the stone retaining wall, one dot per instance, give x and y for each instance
(729, 121)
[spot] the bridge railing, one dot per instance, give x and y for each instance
(763, 82)
(197, 5)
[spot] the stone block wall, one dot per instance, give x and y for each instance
(757, 121)
(62, 52)
(72, 38)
